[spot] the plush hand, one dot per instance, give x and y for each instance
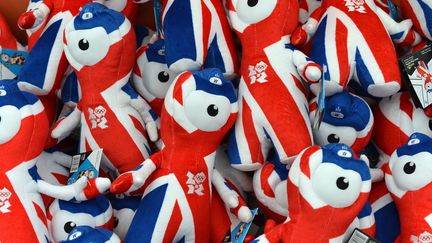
(131, 182)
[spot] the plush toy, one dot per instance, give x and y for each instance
(347, 119)
(327, 189)
(408, 177)
(64, 216)
(200, 107)
(100, 46)
(124, 210)
(197, 34)
(346, 34)
(23, 131)
(88, 234)
(273, 101)
(419, 11)
(151, 76)
(34, 33)
(307, 7)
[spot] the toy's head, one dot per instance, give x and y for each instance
(100, 45)
(396, 118)
(64, 216)
(88, 234)
(152, 78)
(23, 125)
(200, 107)
(347, 119)
(124, 211)
(330, 182)
(408, 174)
(419, 11)
(263, 20)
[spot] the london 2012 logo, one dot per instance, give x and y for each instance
(5, 194)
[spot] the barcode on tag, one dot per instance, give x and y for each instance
(75, 163)
(360, 237)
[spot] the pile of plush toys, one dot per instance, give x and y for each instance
(198, 128)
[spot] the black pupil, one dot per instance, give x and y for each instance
(430, 124)
(252, 3)
(83, 44)
(409, 167)
(163, 77)
(333, 138)
(69, 226)
(342, 183)
(116, 221)
(212, 110)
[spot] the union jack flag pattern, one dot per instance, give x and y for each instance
(420, 12)
(327, 189)
(272, 98)
(124, 208)
(356, 26)
(408, 178)
(99, 44)
(200, 107)
(197, 34)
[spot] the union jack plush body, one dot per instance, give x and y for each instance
(409, 179)
(23, 131)
(199, 109)
(124, 210)
(88, 234)
(327, 188)
(64, 216)
(345, 39)
(272, 98)
(197, 34)
(420, 12)
(100, 46)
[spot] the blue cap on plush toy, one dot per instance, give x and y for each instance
(156, 52)
(89, 234)
(10, 94)
(345, 109)
(94, 15)
(417, 143)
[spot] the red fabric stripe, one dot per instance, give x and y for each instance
(173, 224)
(304, 160)
(251, 135)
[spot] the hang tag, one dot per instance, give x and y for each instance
(319, 115)
(416, 71)
(240, 231)
(157, 8)
(11, 62)
(359, 236)
(85, 164)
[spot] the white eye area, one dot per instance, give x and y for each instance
(10, 122)
(335, 186)
(157, 78)
(334, 134)
(88, 47)
(412, 172)
(117, 5)
(253, 11)
(64, 222)
(207, 112)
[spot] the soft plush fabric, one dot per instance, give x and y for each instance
(273, 107)
(197, 34)
(100, 46)
(199, 109)
(420, 12)
(327, 189)
(88, 234)
(408, 178)
(345, 36)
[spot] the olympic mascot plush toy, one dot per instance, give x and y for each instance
(88, 234)
(197, 34)
(408, 177)
(151, 76)
(64, 216)
(327, 189)
(200, 107)
(270, 65)
(100, 46)
(23, 131)
(124, 210)
(345, 36)
(419, 11)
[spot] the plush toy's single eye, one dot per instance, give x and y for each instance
(157, 78)
(10, 122)
(206, 111)
(254, 11)
(333, 138)
(412, 172)
(88, 47)
(69, 226)
(335, 186)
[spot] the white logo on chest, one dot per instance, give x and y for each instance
(5, 194)
(97, 117)
(257, 73)
(355, 5)
(195, 183)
